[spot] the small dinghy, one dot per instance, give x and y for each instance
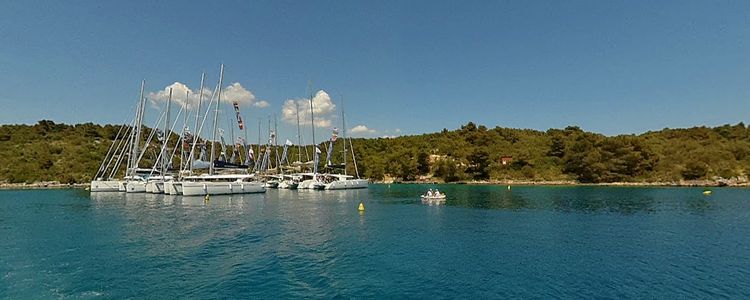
(431, 196)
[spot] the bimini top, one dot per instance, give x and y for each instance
(220, 176)
(340, 176)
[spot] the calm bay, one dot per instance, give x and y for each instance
(484, 241)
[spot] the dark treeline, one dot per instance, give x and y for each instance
(72, 153)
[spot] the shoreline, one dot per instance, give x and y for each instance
(42, 186)
(683, 183)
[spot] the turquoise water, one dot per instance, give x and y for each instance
(485, 241)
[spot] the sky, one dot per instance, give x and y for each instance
(401, 67)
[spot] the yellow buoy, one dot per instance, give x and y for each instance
(706, 192)
(509, 188)
(361, 207)
(206, 198)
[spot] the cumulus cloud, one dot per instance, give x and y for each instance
(322, 105)
(261, 104)
(362, 129)
(233, 92)
(179, 92)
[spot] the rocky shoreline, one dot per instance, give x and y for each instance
(681, 183)
(42, 185)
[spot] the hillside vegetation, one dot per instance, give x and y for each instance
(72, 153)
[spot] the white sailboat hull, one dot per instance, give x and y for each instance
(307, 184)
(200, 188)
(106, 185)
(135, 187)
(155, 187)
(347, 184)
(289, 185)
(173, 188)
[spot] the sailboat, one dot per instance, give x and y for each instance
(292, 181)
(286, 181)
(104, 180)
(311, 180)
(218, 184)
(173, 185)
(142, 180)
(135, 178)
(187, 164)
(155, 184)
(341, 181)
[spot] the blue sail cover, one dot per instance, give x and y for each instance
(334, 136)
(316, 159)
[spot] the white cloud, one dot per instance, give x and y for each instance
(261, 104)
(362, 129)
(398, 130)
(236, 92)
(233, 92)
(322, 105)
(179, 91)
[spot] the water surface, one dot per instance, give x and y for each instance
(485, 241)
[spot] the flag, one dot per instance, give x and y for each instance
(237, 114)
(335, 134)
(316, 159)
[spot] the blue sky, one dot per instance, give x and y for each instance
(403, 67)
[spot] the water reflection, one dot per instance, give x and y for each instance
(651, 243)
(586, 199)
(624, 200)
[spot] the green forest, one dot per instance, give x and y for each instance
(48, 151)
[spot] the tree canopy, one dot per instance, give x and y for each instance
(72, 153)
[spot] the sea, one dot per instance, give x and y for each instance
(482, 242)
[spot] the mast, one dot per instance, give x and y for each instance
(270, 143)
(244, 144)
(258, 154)
(312, 122)
(312, 119)
(276, 142)
(216, 119)
(299, 134)
(166, 136)
(133, 164)
(183, 155)
(197, 116)
(343, 124)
